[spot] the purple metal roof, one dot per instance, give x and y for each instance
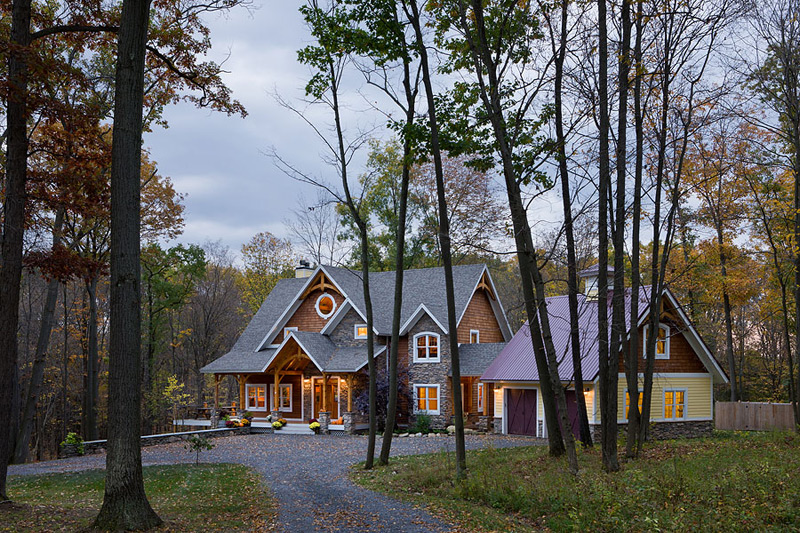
(516, 362)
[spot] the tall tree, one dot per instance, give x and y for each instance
(125, 504)
(266, 259)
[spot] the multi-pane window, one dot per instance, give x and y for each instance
(427, 399)
(284, 397)
(628, 403)
(662, 342)
(674, 403)
(426, 348)
(256, 397)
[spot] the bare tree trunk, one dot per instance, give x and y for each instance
(40, 357)
(92, 361)
(125, 504)
(444, 243)
(566, 198)
(632, 359)
(391, 408)
(13, 223)
(608, 375)
(726, 307)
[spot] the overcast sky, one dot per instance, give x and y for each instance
(233, 190)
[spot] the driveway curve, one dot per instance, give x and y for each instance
(308, 476)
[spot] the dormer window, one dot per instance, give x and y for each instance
(474, 336)
(662, 342)
(426, 348)
(361, 331)
(326, 305)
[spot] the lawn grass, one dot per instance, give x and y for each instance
(188, 497)
(731, 482)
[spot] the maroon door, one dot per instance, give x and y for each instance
(522, 411)
(572, 414)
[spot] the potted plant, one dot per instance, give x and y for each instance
(247, 415)
(277, 425)
(282, 421)
(72, 445)
(314, 426)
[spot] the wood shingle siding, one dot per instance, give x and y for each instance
(480, 315)
(681, 356)
(306, 317)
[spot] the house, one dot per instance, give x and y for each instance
(683, 383)
(304, 353)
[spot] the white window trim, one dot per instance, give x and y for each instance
(333, 309)
(272, 397)
(249, 386)
(438, 357)
(288, 329)
(438, 399)
(666, 341)
(355, 331)
(477, 333)
(685, 403)
(481, 397)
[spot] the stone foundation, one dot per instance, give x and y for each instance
(666, 430)
(498, 425)
(485, 423)
(94, 446)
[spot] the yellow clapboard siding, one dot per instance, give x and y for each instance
(697, 401)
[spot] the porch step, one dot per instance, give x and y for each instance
(295, 429)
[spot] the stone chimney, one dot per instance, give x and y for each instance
(303, 270)
(590, 279)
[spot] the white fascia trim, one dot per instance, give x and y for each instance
(296, 301)
(377, 353)
(668, 375)
(337, 317)
(414, 318)
(280, 347)
(696, 341)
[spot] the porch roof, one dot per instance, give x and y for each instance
(237, 362)
(324, 354)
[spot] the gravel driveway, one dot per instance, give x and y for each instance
(308, 476)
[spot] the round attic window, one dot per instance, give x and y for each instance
(326, 305)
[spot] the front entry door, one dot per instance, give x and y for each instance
(332, 399)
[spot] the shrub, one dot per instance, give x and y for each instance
(248, 415)
(362, 400)
(422, 424)
(74, 439)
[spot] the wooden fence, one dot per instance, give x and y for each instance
(753, 416)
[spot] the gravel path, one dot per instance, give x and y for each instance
(308, 476)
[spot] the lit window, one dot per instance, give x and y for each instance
(326, 305)
(474, 336)
(674, 404)
(256, 397)
(628, 403)
(427, 399)
(480, 397)
(284, 397)
(426, 348)
(662, 342)
(361, 331)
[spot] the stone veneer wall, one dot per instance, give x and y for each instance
(432, 373)
(344, 333)
(667, 430)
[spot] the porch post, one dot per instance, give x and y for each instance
(349, 393)
(242, 379)
(217, 379)
(324, 391)
(276, 392)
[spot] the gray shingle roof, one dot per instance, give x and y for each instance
(476, 358)
(420, 287)
(243, 356)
